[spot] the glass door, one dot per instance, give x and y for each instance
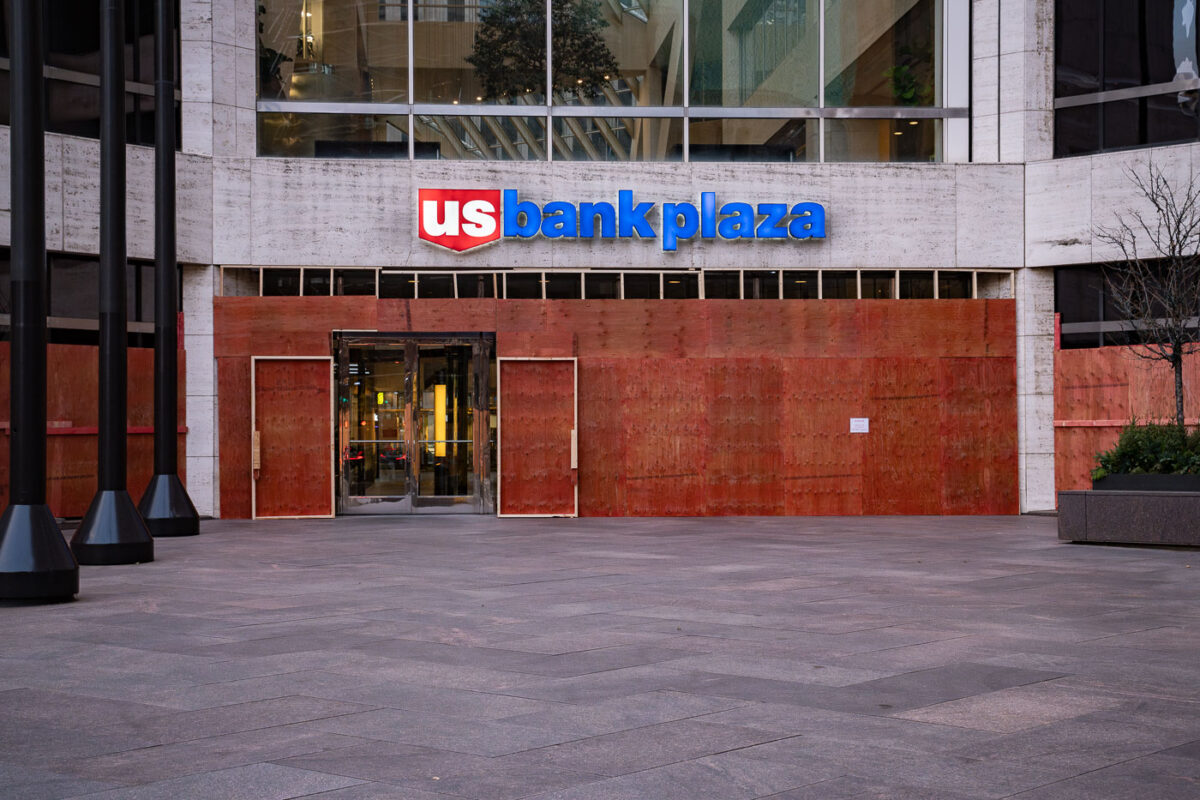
(416, 423)
(376, 468)
(445, 418)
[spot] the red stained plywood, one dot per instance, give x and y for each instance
(233, 386)
(286, 326)
(537, 414)
(725, 407)
(664, 412)
(1075, 452)
(743, 459)
(902, 451)
(292, 414)
(1099, 390)
(72, 403)
(436, 315)
(601, 439)
(822, 460)
(780, 329)
(979, 435)
(940, 328)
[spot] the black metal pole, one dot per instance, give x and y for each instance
(165, 505)
(35, 562)
(112, 531)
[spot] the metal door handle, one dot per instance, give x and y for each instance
(256, 454)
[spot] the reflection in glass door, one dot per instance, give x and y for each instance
(445, 420)
(416, 423)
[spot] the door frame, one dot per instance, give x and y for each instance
(483, 348)
(500, 431)
(254, 450)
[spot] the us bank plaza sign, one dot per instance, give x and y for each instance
(462, 219)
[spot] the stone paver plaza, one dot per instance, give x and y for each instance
(433, 658)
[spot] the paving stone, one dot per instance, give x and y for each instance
(202, 724)
(254, 782)
(425, 769)
(722, 777)
(21, 782)
(479, 737)
(897, 658)
(1159, 776)
(375, 791)
(623, 713)
(150, 764)
(642, 748)
(1017, 709)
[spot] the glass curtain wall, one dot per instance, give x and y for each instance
(1125, 75)
(602, 80)
(72, 68)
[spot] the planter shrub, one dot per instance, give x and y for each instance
(1151, 449)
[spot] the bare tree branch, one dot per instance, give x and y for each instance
(1155, 284)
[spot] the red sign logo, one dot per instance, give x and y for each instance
(458, 219)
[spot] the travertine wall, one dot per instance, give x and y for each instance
(1012, 80)
(73, 199)
(308, 212)
(1069, 199)
(236, 209)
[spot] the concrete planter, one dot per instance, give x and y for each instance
(1148, 483)
(1130, 517)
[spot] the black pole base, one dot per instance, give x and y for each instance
(35, 562)
(112, 532)
(167, 509)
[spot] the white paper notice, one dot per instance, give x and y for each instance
(860, 425)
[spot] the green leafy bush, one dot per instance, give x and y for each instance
(1157, 449)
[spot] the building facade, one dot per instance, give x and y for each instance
(885, 344)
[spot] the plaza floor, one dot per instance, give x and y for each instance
(437, 658)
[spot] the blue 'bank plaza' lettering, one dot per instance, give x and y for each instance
(680, 221)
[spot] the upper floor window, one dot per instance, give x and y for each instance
(619, 80)
(1125, 74)
(72, 68)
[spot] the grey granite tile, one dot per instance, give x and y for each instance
(256, 715)
(1159, 776)
(721, 777)
(855, 788)
(791, 656)
(478, 737)
(254, 782)
(375, 791)
(642, 748)
(601, 659)
(424, 769)
(20, 782)
(81, 710)
(151, 764)
(623, 713)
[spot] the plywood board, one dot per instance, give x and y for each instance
(822, 460)
(292, 415)
(72, 414)
(297, 326)
(233, 387)
(1097, 391)
(664, 412)
(902, 451)
(978, 432)
(743, 458)
(537, 416)
(722, 407)
(602, 474)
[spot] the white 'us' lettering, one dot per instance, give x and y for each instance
(477, 218)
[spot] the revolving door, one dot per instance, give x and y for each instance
(416, 422)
